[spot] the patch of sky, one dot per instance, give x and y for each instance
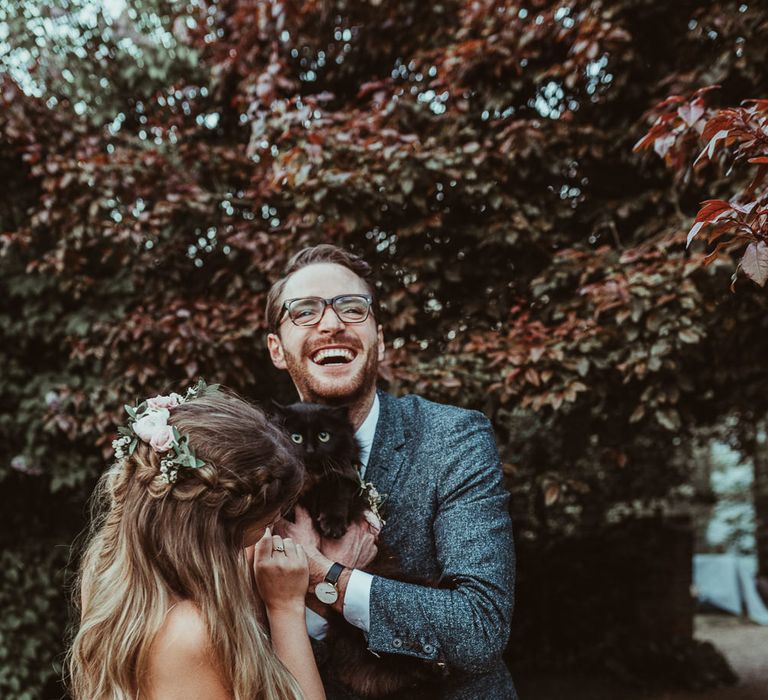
(597, 75)
(562, 15)
(138, 207)
(433, 306)
(114, 8)
(568, 192)
(209, 121)
(548, 101)
(436, 101)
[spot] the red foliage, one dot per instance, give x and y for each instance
(738, 136)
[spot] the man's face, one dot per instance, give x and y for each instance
(297, 348)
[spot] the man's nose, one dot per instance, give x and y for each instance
(330, 320)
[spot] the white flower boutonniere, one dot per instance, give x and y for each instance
(374, 498)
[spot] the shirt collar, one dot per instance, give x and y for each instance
(367, 430)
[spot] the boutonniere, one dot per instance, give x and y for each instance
(374, 498)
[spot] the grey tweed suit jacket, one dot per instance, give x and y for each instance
(446, 516)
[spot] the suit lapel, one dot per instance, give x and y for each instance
(386, 456)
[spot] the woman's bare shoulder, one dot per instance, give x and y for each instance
(182, 663)
(184, 631)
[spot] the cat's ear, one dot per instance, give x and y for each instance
(341, 411)
(274, 409)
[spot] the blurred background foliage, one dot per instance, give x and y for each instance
(160, 162)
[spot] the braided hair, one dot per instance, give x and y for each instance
(153, 541)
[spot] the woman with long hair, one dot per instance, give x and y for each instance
(185, 592)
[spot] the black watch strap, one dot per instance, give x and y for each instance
(334, 572)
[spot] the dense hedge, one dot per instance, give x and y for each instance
(34, 615)
(160, 166)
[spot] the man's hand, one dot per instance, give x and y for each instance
(301, 531)
(354, 550)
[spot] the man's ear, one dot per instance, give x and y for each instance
(275, 347)
(379, 342)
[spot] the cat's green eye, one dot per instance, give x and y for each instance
(323, 437)
(297, 438)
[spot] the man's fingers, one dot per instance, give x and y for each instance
(302, 516)
(301, 554)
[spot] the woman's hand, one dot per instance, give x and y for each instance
(281, 572)
(282, 577)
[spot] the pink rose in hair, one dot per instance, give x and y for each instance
(162, 440)
(166, 402)
(150, 423)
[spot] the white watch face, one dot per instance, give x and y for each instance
(326, 592)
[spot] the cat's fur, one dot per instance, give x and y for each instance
(333, 497)
(326, 442)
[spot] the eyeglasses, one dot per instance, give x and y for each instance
(307, 311)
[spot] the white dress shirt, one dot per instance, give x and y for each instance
(357, 599)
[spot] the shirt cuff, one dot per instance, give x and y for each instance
(357, 600)
(317, 625)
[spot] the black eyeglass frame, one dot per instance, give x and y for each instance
(326, 303)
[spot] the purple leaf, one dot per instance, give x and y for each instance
(755, 262)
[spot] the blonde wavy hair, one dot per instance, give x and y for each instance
(151, 542)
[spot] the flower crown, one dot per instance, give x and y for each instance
(150, 424)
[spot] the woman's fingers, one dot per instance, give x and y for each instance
(250, 552)
(263, 547)
(278, 548)
(289, 548)
(262, 552)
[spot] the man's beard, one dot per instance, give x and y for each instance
(358, 387)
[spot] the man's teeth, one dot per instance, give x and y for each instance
(333, 353)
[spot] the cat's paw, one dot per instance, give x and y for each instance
(332, 526)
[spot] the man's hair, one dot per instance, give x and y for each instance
(323, 253)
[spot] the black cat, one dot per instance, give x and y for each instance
(324, 438)
(333, 496)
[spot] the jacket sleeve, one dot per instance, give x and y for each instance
(466, 627)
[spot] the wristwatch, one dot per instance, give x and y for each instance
(326, 590)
